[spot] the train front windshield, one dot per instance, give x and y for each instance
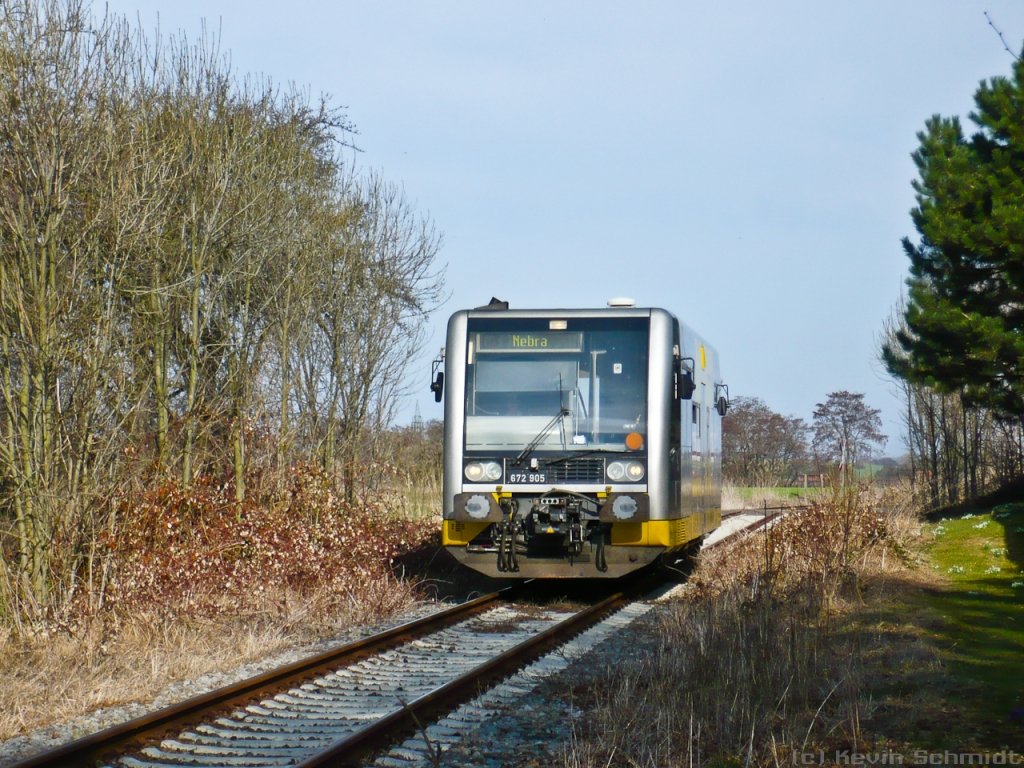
(566, 385)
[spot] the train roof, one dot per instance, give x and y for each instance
(491, 311)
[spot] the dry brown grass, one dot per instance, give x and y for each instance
(773, 652)
(51, 676)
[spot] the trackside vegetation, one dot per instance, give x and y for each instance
(205, 314)
(763, 449)
(852, 629)
(196, 585)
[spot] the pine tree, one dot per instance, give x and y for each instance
(965, 309)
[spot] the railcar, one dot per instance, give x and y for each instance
(577, 442)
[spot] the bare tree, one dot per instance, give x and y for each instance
(760, 446)
(183, 257)
(374, 292)
(63, 231)
(314, 176)
(845, 428)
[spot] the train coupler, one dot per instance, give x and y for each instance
(509, 531)
(574, 539)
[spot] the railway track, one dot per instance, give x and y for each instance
(335, 708)
(748, 520)
(339, 707)
(763, 510)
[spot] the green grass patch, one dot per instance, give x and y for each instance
(981, 631)
(749, 492)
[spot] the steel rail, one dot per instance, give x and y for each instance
(770, 514)
(416, 714)
(761, 510)
(88, 750)
(448, 696)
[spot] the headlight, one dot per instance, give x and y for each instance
(489, 471)
(634, 471)
(630, 471)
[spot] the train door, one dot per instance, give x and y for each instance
(678, 442)
(696, 457)
(706, 463)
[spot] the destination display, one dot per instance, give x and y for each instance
(530, 341)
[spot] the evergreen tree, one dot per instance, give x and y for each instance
(965, 309)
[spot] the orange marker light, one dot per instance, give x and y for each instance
(634, 441)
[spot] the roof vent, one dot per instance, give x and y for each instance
(621, 302)
(495, 304)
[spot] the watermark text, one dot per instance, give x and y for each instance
(917, 757)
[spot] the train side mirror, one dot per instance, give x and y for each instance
(685, 385)
(437, 386)
(721, 398)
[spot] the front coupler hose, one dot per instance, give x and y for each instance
(600, 560)
(508, 559)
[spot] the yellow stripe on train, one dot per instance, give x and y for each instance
(654, 533)
(456, 533)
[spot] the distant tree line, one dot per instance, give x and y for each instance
(956, 345)
(193, 281)
(763, 448)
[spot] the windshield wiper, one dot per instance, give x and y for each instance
(532, 445)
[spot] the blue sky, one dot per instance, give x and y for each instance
(743, 164)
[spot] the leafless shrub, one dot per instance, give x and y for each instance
(747, 668)
(194, 550)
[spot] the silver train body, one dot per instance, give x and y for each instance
(578, 442)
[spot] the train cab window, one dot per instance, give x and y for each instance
(523, 387)
(696, 420)
(578, 388)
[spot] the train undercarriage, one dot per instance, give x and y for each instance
(559, 534)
